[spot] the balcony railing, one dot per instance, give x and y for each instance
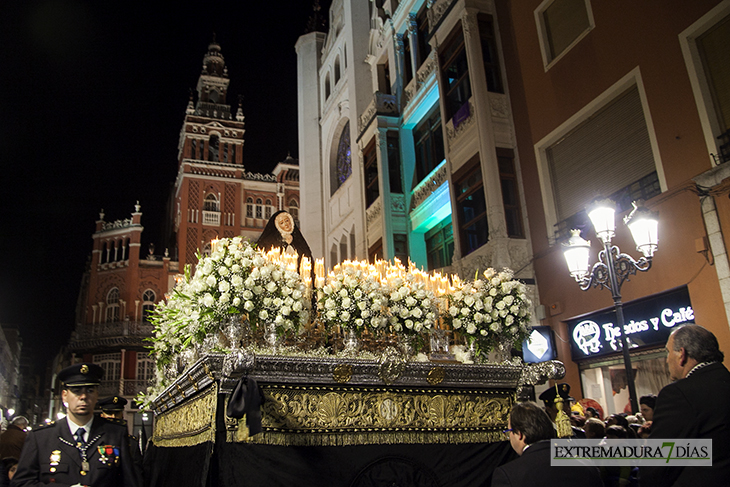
(381, 104)
(117, 328)
(212, 218)
(106, 335)
(130, 387)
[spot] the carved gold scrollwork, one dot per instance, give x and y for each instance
(315, 415)
(189, 424)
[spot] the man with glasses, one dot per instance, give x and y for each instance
(530, 431)
(81, 449)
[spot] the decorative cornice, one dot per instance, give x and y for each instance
(374, 211)
(429, 184)
(452, 133)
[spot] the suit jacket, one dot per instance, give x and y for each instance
(11, 442)
(50, 456)
(695, 407)
(533, 468)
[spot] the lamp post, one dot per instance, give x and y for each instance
(614, 267)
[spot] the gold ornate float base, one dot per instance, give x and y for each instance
(189, 424)
(336, 416)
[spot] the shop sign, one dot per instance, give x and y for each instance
(648, 322)
(539, 346)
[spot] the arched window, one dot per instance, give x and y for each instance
(249, 207)
(213, 96)
(267, 209)
(327, 88)
(259, 208)
(337, 70)
(343, 248)
(148, 304)
(213, 148)
(112, 305)
(343, 164)
(211, 203)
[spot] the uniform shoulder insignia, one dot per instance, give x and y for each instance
(120, 422)
(44, 426)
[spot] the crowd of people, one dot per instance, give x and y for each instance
(691, 407)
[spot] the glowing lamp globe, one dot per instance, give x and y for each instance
(644, 227)
(603, 216)
(577, 254)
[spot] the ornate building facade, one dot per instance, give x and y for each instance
(414, 153)
(470, 133)
(214, 196)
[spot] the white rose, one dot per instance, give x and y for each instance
(248, 306)
(331, 314)
(210, 281)
(224, 286)
(471, 328)
(236, 301)
(208, 299)
(416, 312)
(456, 323)
(263, 314)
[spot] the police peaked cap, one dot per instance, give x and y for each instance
(81, 375)
(114, 403)
(551, 393)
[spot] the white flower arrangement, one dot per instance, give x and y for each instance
(352, 299)
(490, 310)
(412, 308)
(235, 279)
(275, 295)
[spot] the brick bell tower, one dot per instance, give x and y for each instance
(207, 189)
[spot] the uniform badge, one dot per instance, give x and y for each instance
(108, 454)
(84, 369)
(55, 457)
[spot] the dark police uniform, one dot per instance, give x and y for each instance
(52, 456)
(113, 405)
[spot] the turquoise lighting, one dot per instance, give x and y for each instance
(417, 112)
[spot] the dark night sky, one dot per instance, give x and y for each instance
(92, 98)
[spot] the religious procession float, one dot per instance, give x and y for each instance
(272, 371)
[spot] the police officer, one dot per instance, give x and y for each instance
(112, 408)
(79, 450)
(557, 406)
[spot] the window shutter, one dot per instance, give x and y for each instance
(606, 153)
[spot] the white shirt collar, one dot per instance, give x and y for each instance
(87, 427)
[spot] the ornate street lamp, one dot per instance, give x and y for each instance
(613, 266)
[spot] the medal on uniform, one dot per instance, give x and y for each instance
(85, 466)
(55, 457)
